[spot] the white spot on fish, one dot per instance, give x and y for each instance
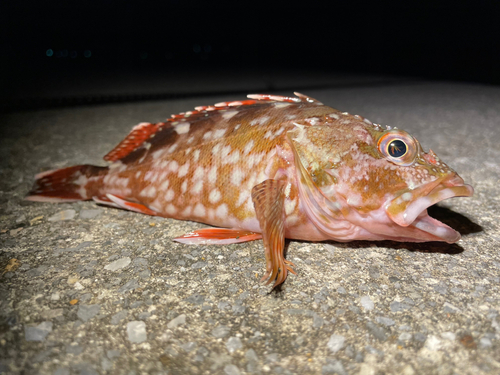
(184, 186)
(170, 209)
(216, 149)
(233, 158)
(190, 140)
(269, 134)
(173, 166)
(169, 195)
(138, 174)
(187, 211)
(197, 187)
(214, 196)
(172, 148)
(222, 211)
(150, 192)
(157, 154)
(199, 210)
(184, 170)
(237, 127)
(198, 173)
(260, 121)
(146, 145)
(182, 128)
(219, 133)
(212, 175)
(237, 176)
(407, 196)
(148, 176)
(279, 131)
(196, 155)
(225, 152)
(249, 146)
(164, 185)
(241, 199)
(207, 135)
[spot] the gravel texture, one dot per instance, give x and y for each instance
(94, 290)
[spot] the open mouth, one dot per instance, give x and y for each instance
(410, 208)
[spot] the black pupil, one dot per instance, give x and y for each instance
(397, 148)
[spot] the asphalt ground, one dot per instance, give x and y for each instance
(86, 289)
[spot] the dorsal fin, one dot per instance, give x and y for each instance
(133, 140)
(279, 98)
(145, 130)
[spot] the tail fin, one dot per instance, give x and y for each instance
(65, 185)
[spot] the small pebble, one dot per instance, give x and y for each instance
(367, 303)
(233, 344)
(335, 343)
(38, 333)
(89, 214)
(118, 264)
(405, 336)
(433, 343)
(87, 312)
(181, 319)
(232, 370)
(119, 316)
(220, 331)
(136, 331)
(63, 215)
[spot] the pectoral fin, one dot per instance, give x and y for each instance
(269, 202)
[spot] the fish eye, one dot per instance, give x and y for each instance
(398, 146)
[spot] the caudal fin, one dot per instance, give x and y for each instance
(65, 185)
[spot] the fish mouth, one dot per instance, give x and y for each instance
(410, 208)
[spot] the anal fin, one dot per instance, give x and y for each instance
(217, 236)
(269, 202)
(116, 201)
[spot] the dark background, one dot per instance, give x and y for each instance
(78, 52)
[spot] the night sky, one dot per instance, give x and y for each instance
(63, 46)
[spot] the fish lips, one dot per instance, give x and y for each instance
(410, 208)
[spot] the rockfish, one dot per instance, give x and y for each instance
(270, 167)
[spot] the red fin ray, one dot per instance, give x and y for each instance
(131, 206)
(218, 236)
(133, 140)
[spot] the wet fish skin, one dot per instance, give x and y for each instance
(270, 167)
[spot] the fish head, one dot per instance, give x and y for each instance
(380, 181)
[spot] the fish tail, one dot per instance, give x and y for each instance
(70, 184)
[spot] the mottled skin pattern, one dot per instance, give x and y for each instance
(270, 167)
(207, 173)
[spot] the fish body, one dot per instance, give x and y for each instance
(270, 167)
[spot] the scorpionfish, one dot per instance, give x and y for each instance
(270, 167)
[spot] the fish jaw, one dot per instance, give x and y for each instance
(410, 212)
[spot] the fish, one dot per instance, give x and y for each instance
(270, 167)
